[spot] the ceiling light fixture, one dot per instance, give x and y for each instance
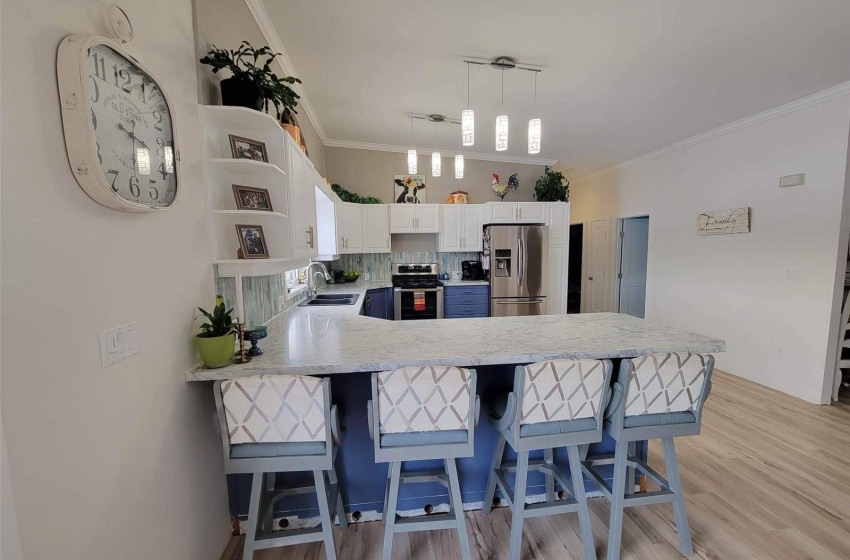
(459, 165)
(467, 118)
(502, 122)
(435, 157)
(411, 153)
(534, 126)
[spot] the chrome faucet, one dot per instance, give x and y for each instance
(311, 285)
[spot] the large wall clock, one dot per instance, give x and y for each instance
(119, 125)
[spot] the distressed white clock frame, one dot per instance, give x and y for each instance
(80, 139)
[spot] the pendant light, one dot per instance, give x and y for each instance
(411, 153)
(459, 165)
(435, 157)
(467, 118)
(502, 123)
(534, 126)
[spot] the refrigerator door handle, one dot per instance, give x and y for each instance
(521, 255)
(518, 301)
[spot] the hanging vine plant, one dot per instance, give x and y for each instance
(348, 196)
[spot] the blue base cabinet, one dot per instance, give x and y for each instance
(378, 303)
(466, 301)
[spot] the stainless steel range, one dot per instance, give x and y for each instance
(417, 292)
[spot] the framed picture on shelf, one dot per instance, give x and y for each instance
(245, 148)
(252, 242)
(252, 198)
(409, 189)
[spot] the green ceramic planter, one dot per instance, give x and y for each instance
(217, 351)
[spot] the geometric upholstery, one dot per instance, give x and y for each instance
(423, 399)
(670, 382)
(562, 390)
(274, 409)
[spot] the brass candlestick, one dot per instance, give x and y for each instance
(241, 357)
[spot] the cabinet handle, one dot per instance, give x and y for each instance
(310, 233)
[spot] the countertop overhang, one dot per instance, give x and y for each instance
(337, 340)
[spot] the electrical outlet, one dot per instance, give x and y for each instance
(794, 274)
(781, 352)
(118, 344)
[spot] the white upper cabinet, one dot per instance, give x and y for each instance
(500, 213)
(460, 228)
(472, 230)
(531, 212)
(349, 229)
(311, 182)
(558, 220)
(299, 220)
(414, 218)
(376, 228)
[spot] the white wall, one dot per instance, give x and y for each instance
(121, 462)
(733, 286)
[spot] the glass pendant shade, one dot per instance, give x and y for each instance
(467, 127)
(411, 162)
(435, 164)
(459, 166)
(501, 133)
(534, 132)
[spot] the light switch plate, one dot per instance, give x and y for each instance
(792, 180)
(118, 344)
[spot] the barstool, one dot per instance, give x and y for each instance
(416, 414)
(660, 396)
(281, 423)
(554, 404)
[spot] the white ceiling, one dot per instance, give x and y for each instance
(621, 77)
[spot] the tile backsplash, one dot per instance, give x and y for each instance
(261, 294)
(379, 265)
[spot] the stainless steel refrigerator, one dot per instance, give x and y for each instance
(519, 270)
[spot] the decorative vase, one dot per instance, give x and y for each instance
(216, 351)
(236, 92)
(294, 131)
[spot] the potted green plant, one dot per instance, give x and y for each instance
(252, 83)
(552, 186)
(217, 340)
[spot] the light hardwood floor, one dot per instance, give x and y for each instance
(769, 478)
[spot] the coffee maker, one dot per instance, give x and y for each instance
(471, 270)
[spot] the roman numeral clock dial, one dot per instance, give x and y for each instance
(118, 123)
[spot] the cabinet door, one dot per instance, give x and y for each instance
(310, 181)
(500, 213)
(451, 227)
(349, 229)
(471, 232)
(376, 228)
(427, 218)
(558, 220)
(402, 218)
(531, 212)
(557, 280)
(297, 202)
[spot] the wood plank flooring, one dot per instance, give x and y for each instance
(769, 478)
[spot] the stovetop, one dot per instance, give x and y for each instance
(420, 282)
(416, 276)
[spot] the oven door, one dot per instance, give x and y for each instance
(404, 308)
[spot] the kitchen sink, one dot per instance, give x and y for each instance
(331, 299)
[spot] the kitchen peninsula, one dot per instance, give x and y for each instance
(337, 341)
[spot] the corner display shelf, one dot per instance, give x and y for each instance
(222, 171)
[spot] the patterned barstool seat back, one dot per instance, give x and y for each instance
(424, 399)
(275, 409)
(562, 390)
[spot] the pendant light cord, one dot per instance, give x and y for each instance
(503, 90)
(535, 95)
(467, 85)
(411, 132)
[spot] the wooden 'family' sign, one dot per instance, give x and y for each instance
(721, 222)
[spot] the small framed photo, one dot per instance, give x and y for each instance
(252, 242)
(252, 198)
(245, 148)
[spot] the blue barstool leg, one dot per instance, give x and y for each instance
(340, 510)
(457, 508)
(325, 514)
(630, 471)
(387, 494)
(618, 498)
(549, 457)
(686, 547)
(253, 515)
(389, 514)
(489, 494)
(577, 479)
(518, 513)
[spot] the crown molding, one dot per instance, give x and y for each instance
(793, 106)
(467, 155)
(261, 16)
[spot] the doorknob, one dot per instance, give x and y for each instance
(590, 277)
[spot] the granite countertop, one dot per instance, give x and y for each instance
(337, 340)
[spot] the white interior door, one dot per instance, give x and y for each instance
(597, 278)
(633, 260)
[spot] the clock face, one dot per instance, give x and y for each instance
(133, 129)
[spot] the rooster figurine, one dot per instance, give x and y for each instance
(502, 190)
